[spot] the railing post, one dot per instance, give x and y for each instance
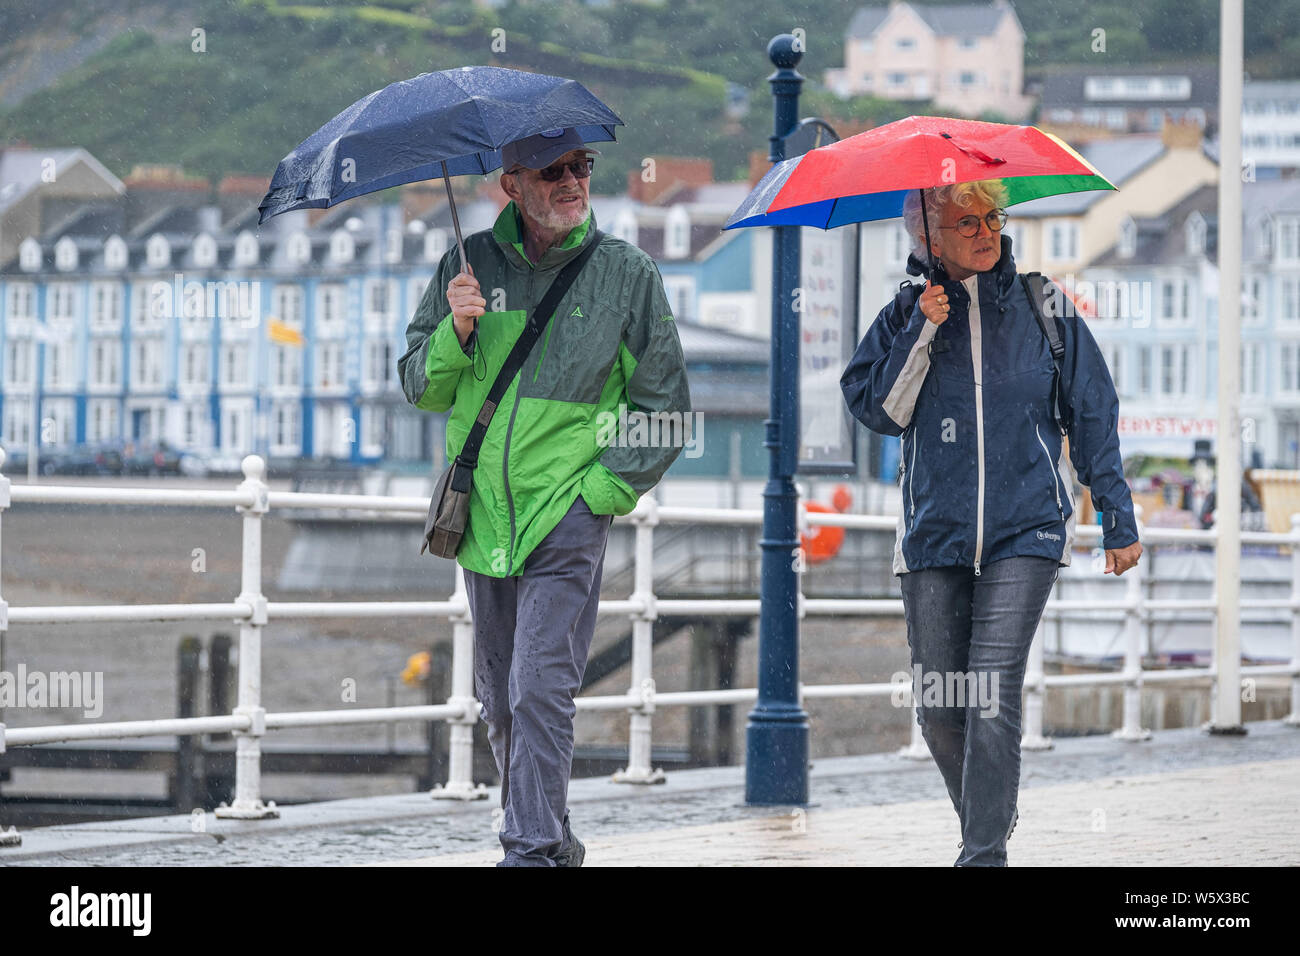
(460, 748)
(1031, 737)
(1293, 719)
(642, 691)
(248, 743)
(1135, 611)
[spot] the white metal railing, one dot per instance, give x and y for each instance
(252, 612)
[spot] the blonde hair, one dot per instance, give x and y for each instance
(990, 191)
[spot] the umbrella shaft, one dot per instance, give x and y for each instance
(455, 219)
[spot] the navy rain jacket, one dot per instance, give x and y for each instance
(983, 474)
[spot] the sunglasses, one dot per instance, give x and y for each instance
(581, 169)
(969, 226)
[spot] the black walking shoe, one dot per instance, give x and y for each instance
(572, 851)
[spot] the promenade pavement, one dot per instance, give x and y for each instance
(1182, 798)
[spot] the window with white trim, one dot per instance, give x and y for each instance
(106, 307)
(234, 369)
(287, 436)
(102, 419)
(1062, 243)
(286, 366)
(105, 363)
(286, 304)
(17, 421)
(21, 302)
(331, 319)
(1290, 288)
(1287, 383)
(1252, 366)
(20, 355)
(146, 363)
(379, 366)
(62, 301)
(196, 364)
(1288, 249)
(60, 354)
(329, 365)
(1144, 383)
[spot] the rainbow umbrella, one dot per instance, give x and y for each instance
(866, 177)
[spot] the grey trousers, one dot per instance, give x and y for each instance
(531, 637)
(958, 624)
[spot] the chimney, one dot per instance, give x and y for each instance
(1180, 134)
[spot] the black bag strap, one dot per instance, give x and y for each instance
(1035, 286)
(533, 330)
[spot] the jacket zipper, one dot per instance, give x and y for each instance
(505, 474)
(977, 363)
(1056, 486)
(911, 472)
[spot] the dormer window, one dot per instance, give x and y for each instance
(435, 244)
(205, 251)
(625, 226)
(158, 251)
(298, 249)
(29, 255)
(246, 249)
(1194, 234)
(1128, 237)
(65, 255)
(1266, 238)
(115, 253)
(677, 234)
(342, 246)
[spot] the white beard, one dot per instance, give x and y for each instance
(551, 218)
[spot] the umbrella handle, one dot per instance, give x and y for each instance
(455, 222)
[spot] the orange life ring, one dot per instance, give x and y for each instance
(822, 542)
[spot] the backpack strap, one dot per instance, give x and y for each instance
(1035, 286)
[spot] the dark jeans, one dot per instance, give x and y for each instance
(532, 634)
(977, 628)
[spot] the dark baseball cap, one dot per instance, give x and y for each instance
(540, 150)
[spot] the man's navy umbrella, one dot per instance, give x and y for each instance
(450, 123)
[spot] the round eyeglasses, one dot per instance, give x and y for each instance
(969, 226)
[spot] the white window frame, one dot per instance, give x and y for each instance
(379, 366)
(330, 367)
(286, 367)
(195, 365)
(105, 307)
(105, 360)
(147, 356)
(1068, 231)
(331, 311)
(234, 365)
(20, 301)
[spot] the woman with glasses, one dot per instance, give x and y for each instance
(963, 371)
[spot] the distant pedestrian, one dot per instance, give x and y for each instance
(964, 373)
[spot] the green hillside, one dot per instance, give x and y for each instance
(271, 72)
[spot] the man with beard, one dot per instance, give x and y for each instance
(548, 481)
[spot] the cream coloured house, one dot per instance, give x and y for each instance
(966, 58)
